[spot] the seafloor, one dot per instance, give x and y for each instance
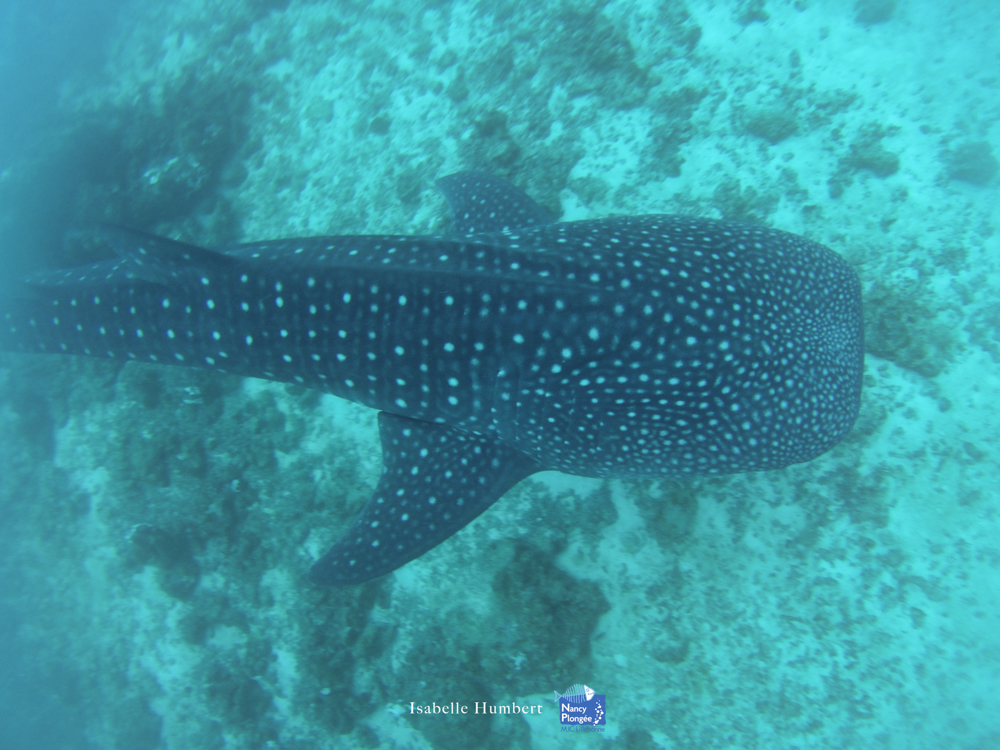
(158, 523)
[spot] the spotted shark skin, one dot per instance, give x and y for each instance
(625, 347)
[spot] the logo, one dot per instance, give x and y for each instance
(581, 710)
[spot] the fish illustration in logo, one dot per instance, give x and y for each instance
(575, 694)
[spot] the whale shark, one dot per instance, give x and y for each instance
(632, 346)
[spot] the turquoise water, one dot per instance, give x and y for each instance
(159, 523)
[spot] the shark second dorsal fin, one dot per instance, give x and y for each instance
(435, 480)
(481, 203)
(159, 259)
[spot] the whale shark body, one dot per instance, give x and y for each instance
(625, 347)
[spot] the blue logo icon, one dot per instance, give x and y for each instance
(581, 709)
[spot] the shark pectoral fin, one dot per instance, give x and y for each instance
(157, 259)
(435, 480)
(481, 203)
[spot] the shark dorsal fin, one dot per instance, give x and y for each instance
(159, 259)
(481, 203)
(141, 256)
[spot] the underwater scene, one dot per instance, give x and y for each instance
(459, 374)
